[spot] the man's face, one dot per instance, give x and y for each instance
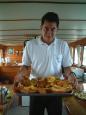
(48, 31)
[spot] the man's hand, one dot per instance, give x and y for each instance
(73, 80)
(21, 74)
(70, 76)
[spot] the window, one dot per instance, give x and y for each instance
(71, 51)
(84, 56)
(76, 56)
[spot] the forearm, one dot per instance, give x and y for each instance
(70, 76)
(23, 69)
(22, 72)
(67, 72)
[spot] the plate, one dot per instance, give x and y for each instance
(81, 95)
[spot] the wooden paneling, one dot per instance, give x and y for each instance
(17, 54)
(78, 42)
(2, 46)
(9, 72)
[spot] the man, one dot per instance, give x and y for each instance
(46, 55)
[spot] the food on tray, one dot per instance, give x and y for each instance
(55, 89)
(50, 79)
(33, 82)
(29, 89)
(25, 81)
(50, 84)
(41, 82)
(18, 87)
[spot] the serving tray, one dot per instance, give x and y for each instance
(45, 94)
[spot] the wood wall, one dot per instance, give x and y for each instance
(9, 73)
(78, 42)
(17, 53)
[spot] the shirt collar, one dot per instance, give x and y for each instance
(41, 42)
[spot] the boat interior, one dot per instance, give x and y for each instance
(20, 22)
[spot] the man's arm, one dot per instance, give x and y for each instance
(24, 71)
(67, 71)
(70, 76)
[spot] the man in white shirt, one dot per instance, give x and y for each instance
(47, 55)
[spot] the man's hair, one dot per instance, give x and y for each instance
(51, 17)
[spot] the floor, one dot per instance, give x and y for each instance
(24, 110)
(19, 110)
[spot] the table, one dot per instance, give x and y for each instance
(75, 106)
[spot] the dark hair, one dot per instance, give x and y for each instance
(25, 42)
(51, 17)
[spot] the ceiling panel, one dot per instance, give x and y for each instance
(36, 10)
(46, 0)
(21, 20)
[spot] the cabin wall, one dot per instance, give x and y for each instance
(16, 55)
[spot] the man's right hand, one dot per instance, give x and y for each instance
(22, 72)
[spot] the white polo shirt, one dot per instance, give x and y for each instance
(46, 59)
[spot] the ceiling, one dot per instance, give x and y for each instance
(20, 19)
